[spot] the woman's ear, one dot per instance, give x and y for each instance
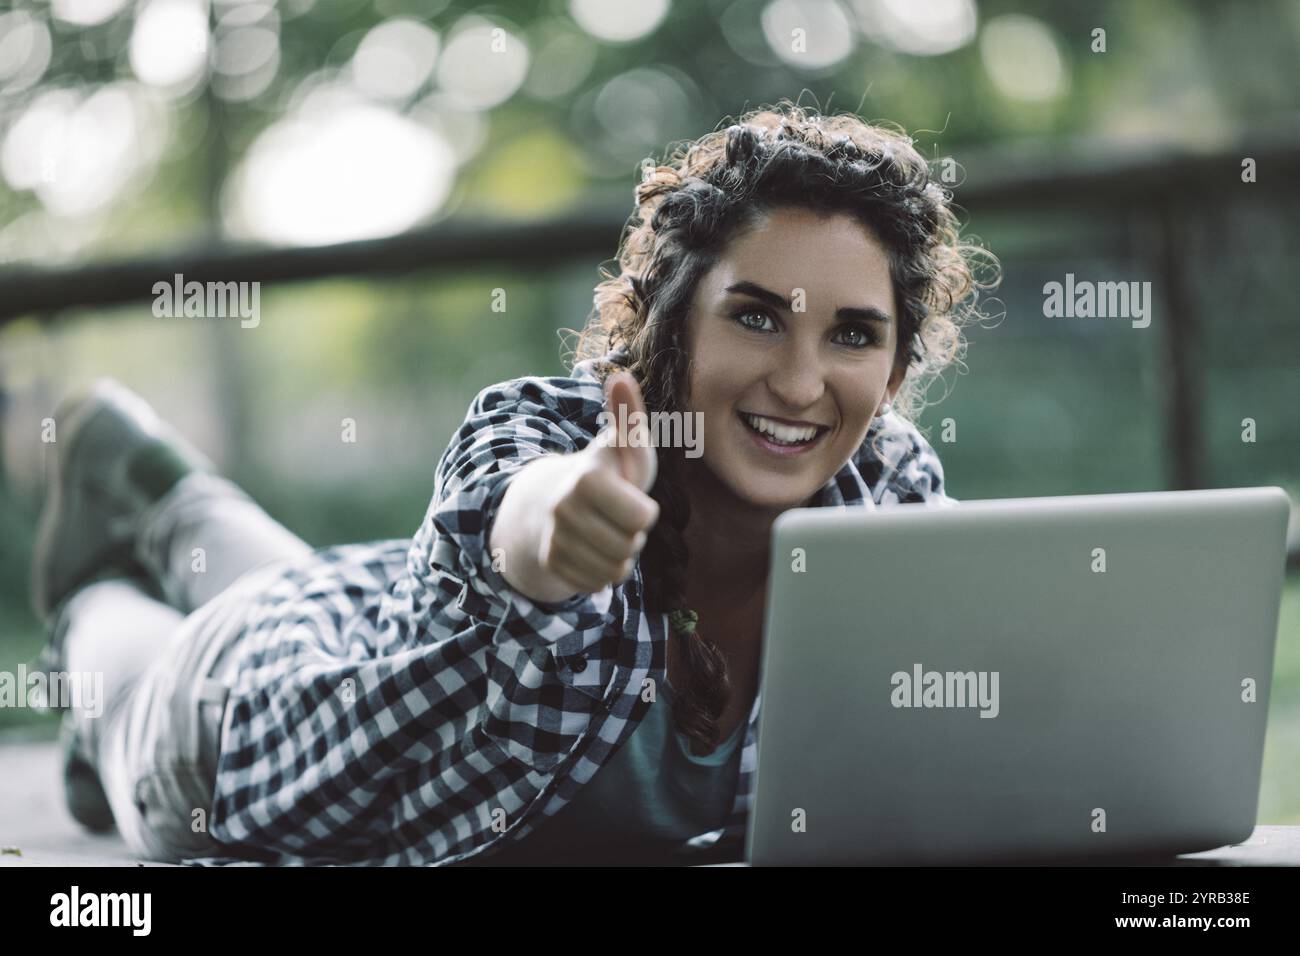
(895, 381)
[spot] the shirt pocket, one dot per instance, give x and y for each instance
(541, 703)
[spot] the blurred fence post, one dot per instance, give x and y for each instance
(226, 344)
(1182, 375)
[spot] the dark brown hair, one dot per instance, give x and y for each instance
(687, 209)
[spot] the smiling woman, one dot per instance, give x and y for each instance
(562, 661)
(791, 278)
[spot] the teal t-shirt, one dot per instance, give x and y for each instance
(653, 795)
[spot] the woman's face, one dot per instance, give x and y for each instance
(795, 323)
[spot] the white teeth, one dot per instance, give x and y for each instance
(785, 434)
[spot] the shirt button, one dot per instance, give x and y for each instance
(577, 664)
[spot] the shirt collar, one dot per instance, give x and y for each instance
(845, 488)
(848, 486)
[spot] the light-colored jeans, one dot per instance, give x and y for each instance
(167, 667)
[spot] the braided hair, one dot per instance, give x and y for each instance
(687, 209)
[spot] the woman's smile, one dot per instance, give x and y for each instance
(775, 437)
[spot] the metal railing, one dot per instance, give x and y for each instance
(1164, 185)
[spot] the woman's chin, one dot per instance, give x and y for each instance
(774, 496)
(770, 493)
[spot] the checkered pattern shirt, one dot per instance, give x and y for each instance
(399, 703)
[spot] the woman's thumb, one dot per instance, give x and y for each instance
(629, 433)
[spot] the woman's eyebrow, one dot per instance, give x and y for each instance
(847, 313)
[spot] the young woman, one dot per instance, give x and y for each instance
(563, 664)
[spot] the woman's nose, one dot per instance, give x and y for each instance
(797, 378)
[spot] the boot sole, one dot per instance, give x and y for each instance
(80, 409)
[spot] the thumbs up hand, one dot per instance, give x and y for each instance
(577, 522)
(600, 516)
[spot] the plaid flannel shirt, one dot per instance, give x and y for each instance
(399, 703)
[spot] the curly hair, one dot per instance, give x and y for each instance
(687, 209)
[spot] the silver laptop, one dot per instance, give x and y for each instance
(1017, 680)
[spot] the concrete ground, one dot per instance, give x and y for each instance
(37, 830)
(35, 826)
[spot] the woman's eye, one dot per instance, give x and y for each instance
(744, 315)
(862, 336)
